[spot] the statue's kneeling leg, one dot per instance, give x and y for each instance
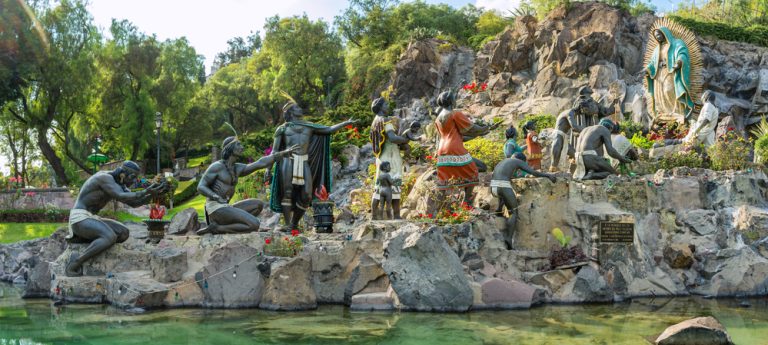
(102, 237)
(230, 220)
(507, 196)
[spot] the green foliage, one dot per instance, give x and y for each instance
(761, 149)
(561, 238)
(630, 128)
(755, 33)
(488, 25)
(286, 246)
(686, 158)
(15, 232)
(252, 186)
(641, 141)
(187, 190)
(730, 152)
(542, 121)
(490, 151)
(732, 12)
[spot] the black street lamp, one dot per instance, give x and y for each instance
(158, 126)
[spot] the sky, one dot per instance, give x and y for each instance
(209, 24)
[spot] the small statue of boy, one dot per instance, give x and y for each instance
(385, 183)
(411, 134)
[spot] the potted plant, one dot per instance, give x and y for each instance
(564, 256)
(322, 209)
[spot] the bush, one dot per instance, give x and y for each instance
(542, 121)
(755, 34)
(490, 151)
(252, 186)
(188, 192)
(685, 158)
(630, 128)
(730, 152)
(640, 141)
(761, 149)
(34, 216)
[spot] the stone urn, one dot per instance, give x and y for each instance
(156, 228)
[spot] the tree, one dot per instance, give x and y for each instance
(305, 57)
(237, 50)
(55, 89)
(130, 67)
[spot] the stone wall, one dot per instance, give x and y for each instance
(30, 198)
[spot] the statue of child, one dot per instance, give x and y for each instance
(385, 183)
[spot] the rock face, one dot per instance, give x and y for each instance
(426, 274)
(695, 232)
(699, 331)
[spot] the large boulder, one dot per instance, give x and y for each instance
(678, 255)
(168, 264)
(238, 282)
(289, 286)
(425, 273)
(698, 331)
(184, 222)
(507, 294)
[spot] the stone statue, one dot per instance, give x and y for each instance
(387, 145)
(624, 147)
(218, 186)
(308, 167)
(590, 164)
(672, 71)
(455, 166)
(532, 145)
(565, 123)
(84, 224)
(703, 130)
(510, 146)
(501, 188)
(385, 184)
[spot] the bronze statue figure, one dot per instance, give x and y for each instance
(387, 146)
(218, 186)
(501, 188)
(385, 184)
(590, 164)
(307, 168)
(565, 125)
(86, 226)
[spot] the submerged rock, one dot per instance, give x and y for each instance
(698, 331)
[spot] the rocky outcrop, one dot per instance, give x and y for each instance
(184, 222)
(699, 331)
(695, 232)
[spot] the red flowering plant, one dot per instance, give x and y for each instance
(665, 131)
(450, 208)
(286, 246)
(475, 87)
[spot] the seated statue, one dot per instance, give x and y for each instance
(218, 186)
(590, 164)
(703, 130)
(84, 224)
(501, 188)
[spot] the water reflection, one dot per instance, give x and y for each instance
(37, 321)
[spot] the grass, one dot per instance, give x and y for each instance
(183, 185)
(14, 232)
(197, 161)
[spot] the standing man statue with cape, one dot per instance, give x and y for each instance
(308, 168)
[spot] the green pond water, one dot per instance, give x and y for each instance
(37, 321)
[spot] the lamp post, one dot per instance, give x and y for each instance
(158, 126)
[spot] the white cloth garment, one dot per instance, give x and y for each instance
(298, 169)
(496, 184)
(622, 145)
(580, 168)
(706, 133)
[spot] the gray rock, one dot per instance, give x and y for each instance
(752, 222)
(601, 76)
(289, 286)
(184, 222)
(698, 331)
(352, 155)
(590, 286)
(168, 264)
(226, 290)
(135, 290)
(372, 301)
(702, 222)
(508, 294)
(425, 273)
(678, 255)
(39, 282)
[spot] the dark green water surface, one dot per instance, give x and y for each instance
(37, 321)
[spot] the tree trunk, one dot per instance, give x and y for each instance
(50, 155)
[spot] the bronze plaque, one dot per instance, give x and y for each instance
(611, 232)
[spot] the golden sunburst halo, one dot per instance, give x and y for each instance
(694, 54)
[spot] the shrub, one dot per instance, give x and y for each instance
(640, 141)
(685, 158)
(490, 151)
(761, 149)
(188, 192)
(755, 34)
(252, 186)
(34, 216)
(542, 121)
(730, 152)
(630, 128)
(284, 245)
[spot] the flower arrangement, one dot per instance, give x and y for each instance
(474, 87)
(286, 246)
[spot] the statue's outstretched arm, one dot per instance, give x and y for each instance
(116, 192)
(612, 151)
(335, 128)
(266, 161)
(527, 168)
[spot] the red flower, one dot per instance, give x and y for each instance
(429, 157)
(730, 128)
(286, 238)
(294, 232)
(421, 215)
(267, 240)
(455, 214)
(429, 215)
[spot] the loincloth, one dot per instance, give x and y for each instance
(77, 215)
(298, 168)
(496, 184)
(581, 170)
